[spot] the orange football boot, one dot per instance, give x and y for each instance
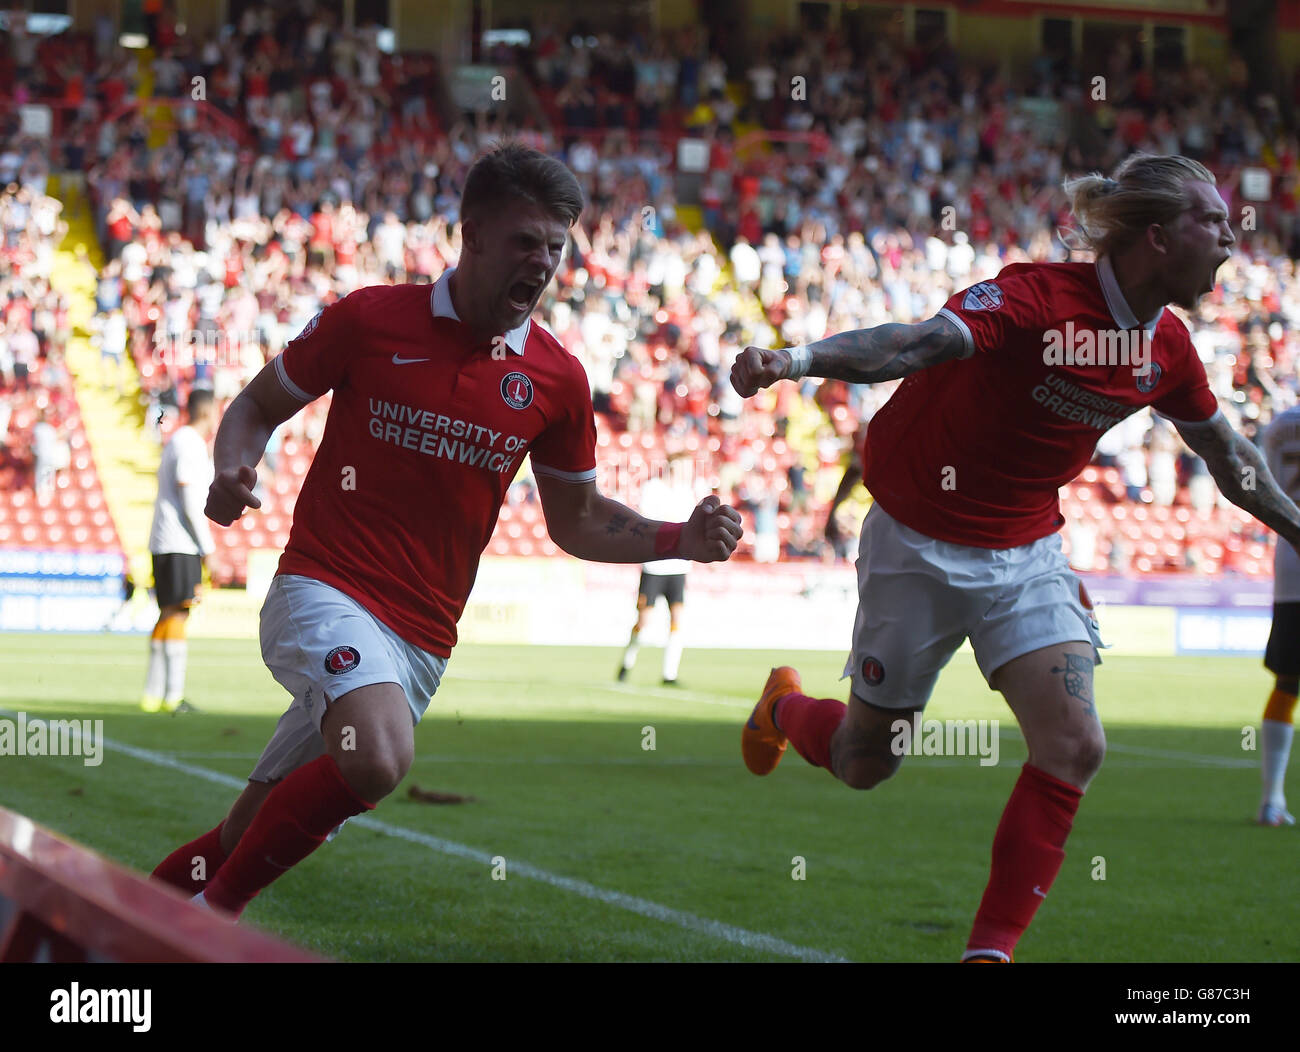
(761, 742)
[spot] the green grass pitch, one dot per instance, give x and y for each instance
(616, 852)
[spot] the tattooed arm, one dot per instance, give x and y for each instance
(862, 356)
(1242, 475)
(589, 526)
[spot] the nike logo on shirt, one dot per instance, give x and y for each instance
(407, 361)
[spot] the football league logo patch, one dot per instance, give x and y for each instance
(1146, 382)
(341, 660)
(309, 328)
(517, 390)
(984, 296)
(873, 672)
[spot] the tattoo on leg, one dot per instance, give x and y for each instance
(1078, 681)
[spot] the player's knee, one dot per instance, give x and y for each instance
(375, 774)
(864, 770)
(1092, 752)
(1088, 750)
(1074, 758)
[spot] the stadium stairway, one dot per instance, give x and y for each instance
(126, 459)
(159, 117)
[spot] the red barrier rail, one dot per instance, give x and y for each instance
(70, 905)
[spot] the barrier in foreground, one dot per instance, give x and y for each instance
(60, 902)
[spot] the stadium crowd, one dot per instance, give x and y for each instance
(38, 411)
(895, 179)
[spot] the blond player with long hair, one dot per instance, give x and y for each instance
(1007, 391)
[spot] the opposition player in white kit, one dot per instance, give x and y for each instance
(179, 542)
(438, 394)
(669, 498)
(965, 462)
(1282, 657)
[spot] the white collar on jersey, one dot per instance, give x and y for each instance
(442, 307)
(1119, 308)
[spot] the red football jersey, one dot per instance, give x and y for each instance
(973, 451)
(425, 432)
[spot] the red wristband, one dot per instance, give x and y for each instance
(668, 539)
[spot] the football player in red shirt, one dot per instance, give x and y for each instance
(438, 393)
(1007, 390)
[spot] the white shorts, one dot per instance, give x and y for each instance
(919, 599)
(319, 645)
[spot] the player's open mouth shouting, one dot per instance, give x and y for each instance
(523, 295)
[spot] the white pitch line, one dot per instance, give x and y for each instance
(434, 760)
(750, 940)
(1174, 754)
(610, 688)
(1202, 759)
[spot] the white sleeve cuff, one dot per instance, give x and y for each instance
(966, 334)
(289, 385)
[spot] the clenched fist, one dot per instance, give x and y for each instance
(231, 492)
(758, 367)
(711, 533)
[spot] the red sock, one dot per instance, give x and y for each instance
(292, 822)
(1028, 850)
(809, 724)
(177, 869)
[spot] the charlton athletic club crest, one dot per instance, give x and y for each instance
(873, 672)
(1146, 382)
(341, 660)
(1085, 600)
(517, 390)
(984, 296)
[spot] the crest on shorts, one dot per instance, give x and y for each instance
(517, 390)
(873, 671)
(341, 660)
(983, 296)
(1146, 381)
(1086, 600)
